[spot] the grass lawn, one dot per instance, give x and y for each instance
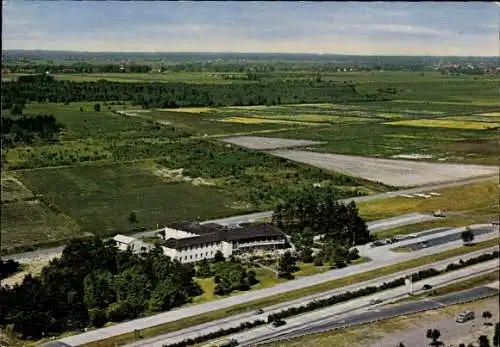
(477, 198)
(276, 299)
(101, 197)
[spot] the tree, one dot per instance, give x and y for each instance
(287, 266)
(232, 276)
(483, 341)
(252, 277)
(16, 110)
(496, 337)
(467, 236)
(487, 316)
(98, 289)
(133, 286)
(306, 255)
(434, 334)
(204, 270)
(97, 107)
(219, 257)
(132, 218)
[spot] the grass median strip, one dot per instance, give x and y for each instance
(279, 298)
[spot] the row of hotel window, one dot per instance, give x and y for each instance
(196, 256)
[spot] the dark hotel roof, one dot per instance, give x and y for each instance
(215, 233)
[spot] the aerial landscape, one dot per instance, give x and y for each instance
(250, 173)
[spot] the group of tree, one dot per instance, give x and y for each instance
(92, 283)
(8, 267)
(336, 254)
(25, 130)
(228, 275)
(319, 211)
(171, 95)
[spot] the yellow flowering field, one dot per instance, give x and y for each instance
(187, 109)
(444, 123)
(490, 114)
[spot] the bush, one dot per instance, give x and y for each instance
(97, 317)
(119, 311)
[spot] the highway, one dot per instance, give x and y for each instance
(364, 316)
(318, 315)
(252, 217)
(380, 258)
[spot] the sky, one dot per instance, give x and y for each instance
(365, 28)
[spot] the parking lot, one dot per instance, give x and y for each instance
(443, 239)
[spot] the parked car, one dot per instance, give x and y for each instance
(279, 323)
(259, 311)
(375, 301)
(427, 287)
(465, 316)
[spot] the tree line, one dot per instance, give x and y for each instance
(92, 283)
(24, 130)
(79, 67)
(171, 95)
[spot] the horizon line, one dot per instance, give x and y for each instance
(250, 53)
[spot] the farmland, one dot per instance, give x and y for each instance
(446, 123)
(163, 158)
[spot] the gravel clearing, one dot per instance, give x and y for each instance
(413, 331)
(257, 142)
(397, 173)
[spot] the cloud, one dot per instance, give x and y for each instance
(330, 27)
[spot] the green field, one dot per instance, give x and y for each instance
(100, 198)
(33, 223)
(107, 164)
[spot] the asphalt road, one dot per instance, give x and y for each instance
(445, 239)
(396, 311)
(315, 316)
(249, 218)
(181, 313)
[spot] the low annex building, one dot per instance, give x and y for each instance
(190, 242)
(126, 242)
